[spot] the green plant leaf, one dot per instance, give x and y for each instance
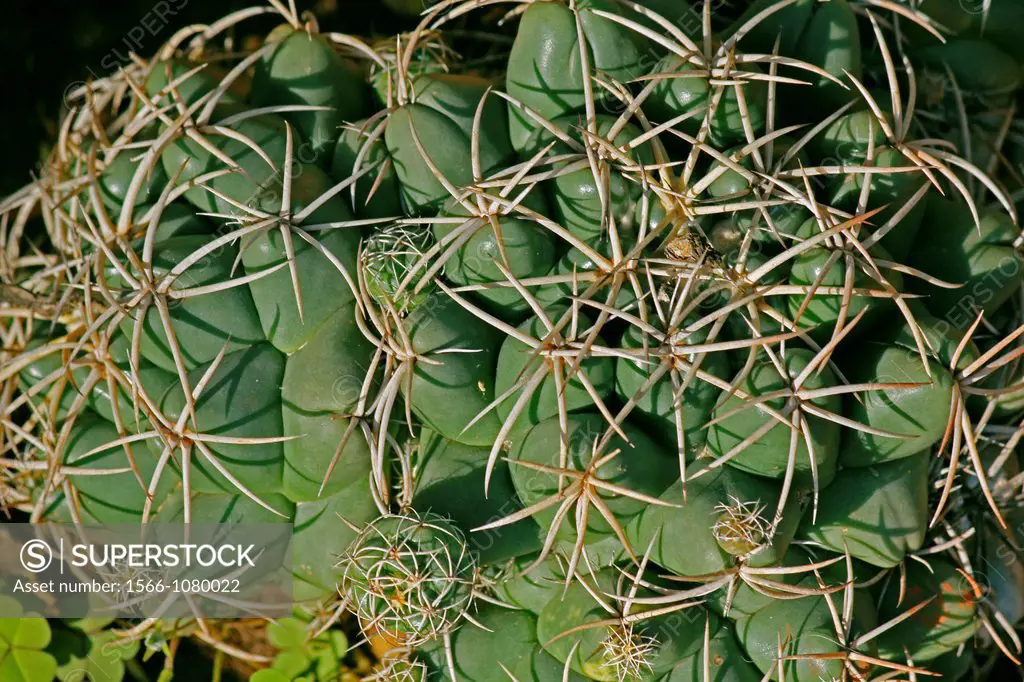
(22, 640)
(269, 675)
(287, 633)
(98, 656)
(302, 658)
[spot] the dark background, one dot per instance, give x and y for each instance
(45, 45)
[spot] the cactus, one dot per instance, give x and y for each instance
(605, 340)
(410, 574)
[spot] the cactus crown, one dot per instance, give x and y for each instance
(394, 669)
(410, 574)
(389, 258)
(628, 652)
(741, 528)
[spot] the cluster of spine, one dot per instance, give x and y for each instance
(409, 576)
(578, 339)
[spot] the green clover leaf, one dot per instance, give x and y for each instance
(22, 640)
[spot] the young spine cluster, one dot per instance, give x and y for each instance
(578, 339)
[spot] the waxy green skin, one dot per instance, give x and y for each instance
(451, 484)
(885, 188)
(202, 325)
(322, 384)
(205, 81)
(544, 70)
(149, 378)
(60, 398)
(447, 397)
(245, 396)
(825, 267)
(510, 643)
(808, 623)
(377, 193)
(918, 412)
(832, 41)
(577, 272)
(770, 232)
(680, 92)
(298, 377)
(575, 197)
(384, 78)
(848, 138)
(116, 498)
(981, 258)
(657, 407)
(806, 626)
(726, 661)
(889, 192)
(642, 466)
(942, 625)
(223, 507)
(521, 246)
(119, 498)
(979, 66)
(732, 183)
(303, 69)
(943, 342)
(459, 96)
(878, 513)
(202, 84)
(242, 400)
(531, 591)
(189, 160)
(322, 529)
(785, 25)
(769, 454)
(516, 361)
(677, 638)
(117, 177)
(446, 146)
(741, 323)
(441, 123)
(319, 275)
(311, 401)
(823, 34)
(177, 219)
(684, 542)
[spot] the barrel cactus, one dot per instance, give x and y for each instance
(578, 339)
